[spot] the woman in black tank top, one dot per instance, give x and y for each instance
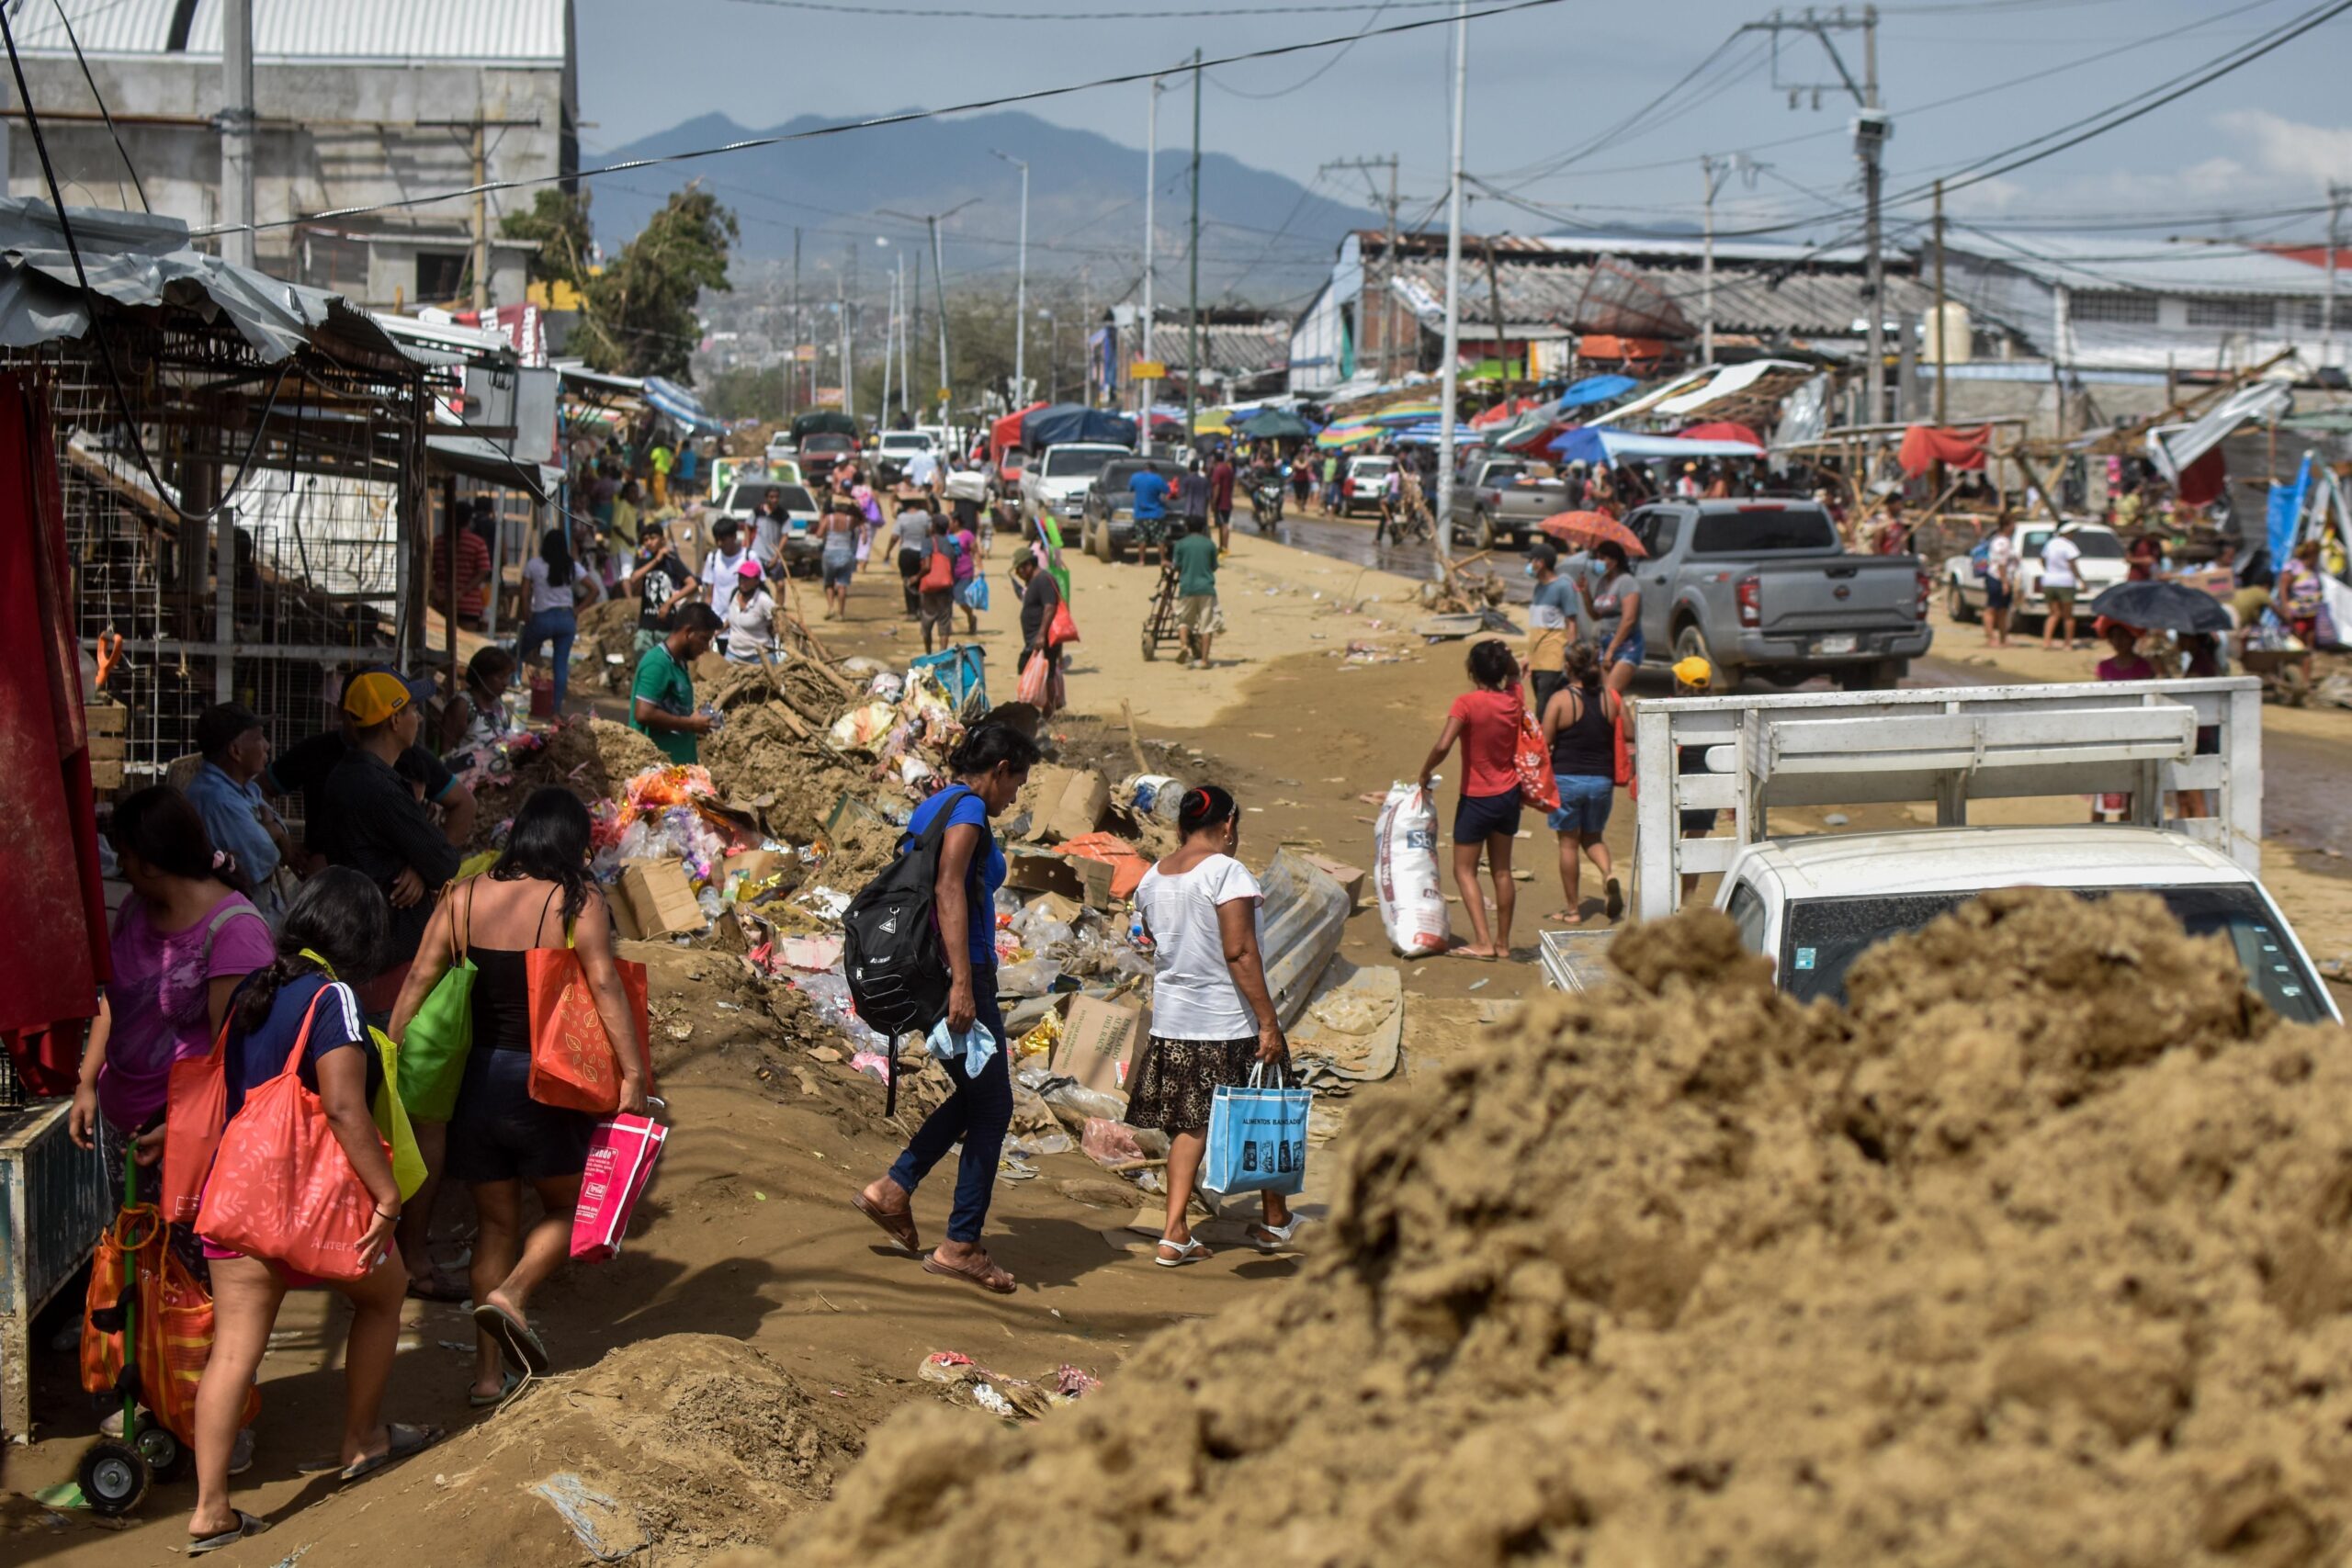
(1580, 726)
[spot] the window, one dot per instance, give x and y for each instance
(2232, 313)
(1748, 914)
(2113, 305)
(1760, 530)
(2316, 313)
(440, 274)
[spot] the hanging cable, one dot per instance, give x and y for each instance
(104, 113)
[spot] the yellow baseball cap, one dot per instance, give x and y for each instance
(372, 698)
(1694, 672)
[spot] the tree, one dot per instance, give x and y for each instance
(558, 223)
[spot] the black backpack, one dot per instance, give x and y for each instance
(893, 958)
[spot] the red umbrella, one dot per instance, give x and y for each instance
(1586, 529)
(1722, 430)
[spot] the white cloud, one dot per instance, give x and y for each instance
(2287, 151)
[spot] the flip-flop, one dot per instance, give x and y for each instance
(1615, 906)
(523, 1348)
(401, 1440)
(439, 1287)
(1186, 1252)
(899, 1228)
(986, 1276)
(506, 1386)
(246, 1524)
(1282, 1235)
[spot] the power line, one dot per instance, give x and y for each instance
(969, 13)
(1310, 78)
(104, 112)
(907, 117)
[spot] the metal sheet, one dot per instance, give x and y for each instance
(1299, 929)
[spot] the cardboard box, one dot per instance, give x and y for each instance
(106, 718)
(661, 900)
(1350, 877)
(109, 748)
(1042, 871)
(1066, 802)
(1099, 1043)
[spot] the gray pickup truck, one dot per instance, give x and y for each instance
(1504, 504)
(1765, 588)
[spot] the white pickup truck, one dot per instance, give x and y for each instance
(1812, 903)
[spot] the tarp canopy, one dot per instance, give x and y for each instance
(1062, 422)
(1925, 445)
(479, 457)
(1273, 424)
(816, 421)
(2175, 446)
(1601, 444)
(1503, 412)
(1348, 435)
(1595, 390)
(1427, 436)
(1722, 430)
(681, 407)
(1006, 430)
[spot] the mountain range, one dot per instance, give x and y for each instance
(1264, 237)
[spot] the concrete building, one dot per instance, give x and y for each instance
(358, 103)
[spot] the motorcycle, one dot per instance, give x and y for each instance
(1266, 504)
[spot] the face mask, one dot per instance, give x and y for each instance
(1531, 569)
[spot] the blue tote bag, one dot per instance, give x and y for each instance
(1256, 1137)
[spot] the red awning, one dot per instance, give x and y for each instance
(2202, 481)
(1006, 432)
(1722, 430)
(1502, 412)
(1925, 445)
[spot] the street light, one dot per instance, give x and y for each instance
(939, 282)
(1021, 285)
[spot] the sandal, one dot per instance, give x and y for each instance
(439, 1287)
(1282, 1235)
(246, 1524)
(401, 1440)
(506, 1384)
(981, 1271)
(1615, 907)
(523, 1350)
(1189, 1251)
(900, 1228)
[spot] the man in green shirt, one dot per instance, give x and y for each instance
(1194, 557)
(662, 703)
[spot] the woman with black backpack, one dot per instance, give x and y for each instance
(989, 769)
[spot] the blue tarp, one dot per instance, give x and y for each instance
(1064, 423)
(1595, 390)
(1599, 444)
(675, 402)
(1427, 435)
(2286, 513)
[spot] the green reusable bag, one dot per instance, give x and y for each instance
(433, 1048)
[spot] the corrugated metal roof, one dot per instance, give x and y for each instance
(1747, 298)
(471, 30)
(2106, 261)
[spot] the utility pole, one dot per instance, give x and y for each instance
(792, 365)
(1943, 325)
(939, 284)
(1019, 292)
(1151, 253)
(481, 225)
(2337, 194)
(1388, 327)
(1451, 369)
(1495, 299)
(1707, 263)
(1193, 362)
(890, 342)
(840, 338)
(1871, 129)
(237, 131)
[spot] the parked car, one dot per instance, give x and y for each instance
(821, 450)
(1363, 485)
(801, 545)
(1058, 480)
(1107, 516)
(782, 447)
(1767, 587)
(894, 449)
(1507, 501)
(2101, 567)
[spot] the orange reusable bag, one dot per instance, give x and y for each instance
(128, 1250)
(282, 1188)
(198, 1104)
(135, 1265)
(574, 1065)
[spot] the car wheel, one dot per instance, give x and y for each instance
(1955, 602)
(1689, 642)
(1482, 528)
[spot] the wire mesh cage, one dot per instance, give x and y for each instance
(308, 573)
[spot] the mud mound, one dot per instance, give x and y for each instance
(2041, 1255)
(593, 758)
(770, 757)
(681, 1445)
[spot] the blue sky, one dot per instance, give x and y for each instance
(1546, 83)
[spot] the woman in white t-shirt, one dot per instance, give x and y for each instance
(555, 586)
(1212, 1014)
(749, 614)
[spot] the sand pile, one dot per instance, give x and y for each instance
(606, 630)
(2041, 1255)
(674, 1447)
(771, 757)
(593, 758)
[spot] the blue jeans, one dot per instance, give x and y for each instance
(558, 626)
(979, 1112)
(1585, 800)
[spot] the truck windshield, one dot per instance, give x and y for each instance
(1747, 533)
(1070, 463)
(1826, 935)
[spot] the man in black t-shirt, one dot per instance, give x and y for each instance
(662, 583)
(302, 770)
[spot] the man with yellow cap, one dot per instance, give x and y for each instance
(373, 822)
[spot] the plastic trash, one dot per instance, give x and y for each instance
(1111, 1143)
(602, 1525)
(1030, 977)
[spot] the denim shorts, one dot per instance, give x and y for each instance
(1631, 653)
(1585, 800)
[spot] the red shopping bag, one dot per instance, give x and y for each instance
(1063, 627)
(281, 1187)
(1622, 758)
(1036, 681)
(574, 1065)
(1531, 760)
(199, 1103)
(620, 1164)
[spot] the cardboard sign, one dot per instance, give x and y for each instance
(660, 900)
(1068, 803)
(1349, 877)
(1099, 1043)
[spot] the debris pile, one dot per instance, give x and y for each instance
(2038, 1254)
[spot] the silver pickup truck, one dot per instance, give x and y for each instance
(1503, 503)
(1765, 588)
